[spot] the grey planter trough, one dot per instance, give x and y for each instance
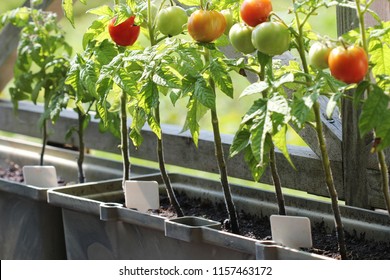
(98, 226)
(30, 228)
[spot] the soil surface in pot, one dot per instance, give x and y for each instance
(324, 243)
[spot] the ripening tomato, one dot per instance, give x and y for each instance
(254, 12)
(206, 26)
(124, 34)
(349, 65)
(318, 55)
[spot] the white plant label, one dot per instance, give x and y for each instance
(40, 176)
(142, 195)
(291, 231)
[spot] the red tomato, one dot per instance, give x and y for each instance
(206, 26)
(254, 12)
(124, 34)
(349, 65)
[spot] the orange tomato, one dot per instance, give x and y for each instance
(349, 65)
(206, 26)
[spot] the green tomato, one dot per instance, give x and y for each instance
(271, 38)
(170, 20)
(228, 14)
(240, 36)
(318, 55)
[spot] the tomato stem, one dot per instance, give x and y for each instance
(80, 133)
(385, 178)
(322, 145)
(231, 209)
(160, 147)
(124, 138)
(274, 170)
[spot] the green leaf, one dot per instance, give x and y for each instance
(332, 104)
(89, 78)
(97, 32)
(256, 170)
(379, 50)
(195, 112)
(155, 126)
(373, 111)
(189, 2)
(103, 10)
(280, 141)
(219, 72)
(302, 108)
(383, 131)
(105, 52)
(240, 142)
(258, 136)
(67, 7)
(204, 93)
(255, 88)
(256, 109)
(148, 97)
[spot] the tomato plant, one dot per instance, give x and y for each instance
(240, 36)
(205, 26)
(125, 33)
(170, 20)
(348, 64)
(271, 38)
(318, 55)
(254, 12)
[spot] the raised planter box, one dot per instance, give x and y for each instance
(97, 226)
(30, 228)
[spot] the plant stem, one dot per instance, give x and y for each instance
(44, 128)
(330, 182)
(277, 182)
(164, 174)
(160, 147)
(80, 159)
(221, 160)
(274, 170)
(324, 152)
(124, 139)
(385, 178)
(44, 141)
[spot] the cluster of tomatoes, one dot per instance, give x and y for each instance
(346, 63)
(255, 32)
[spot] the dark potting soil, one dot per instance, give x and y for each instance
(256, 227)
(324, 243)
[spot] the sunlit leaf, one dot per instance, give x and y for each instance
(67, 6)
(373, 111)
